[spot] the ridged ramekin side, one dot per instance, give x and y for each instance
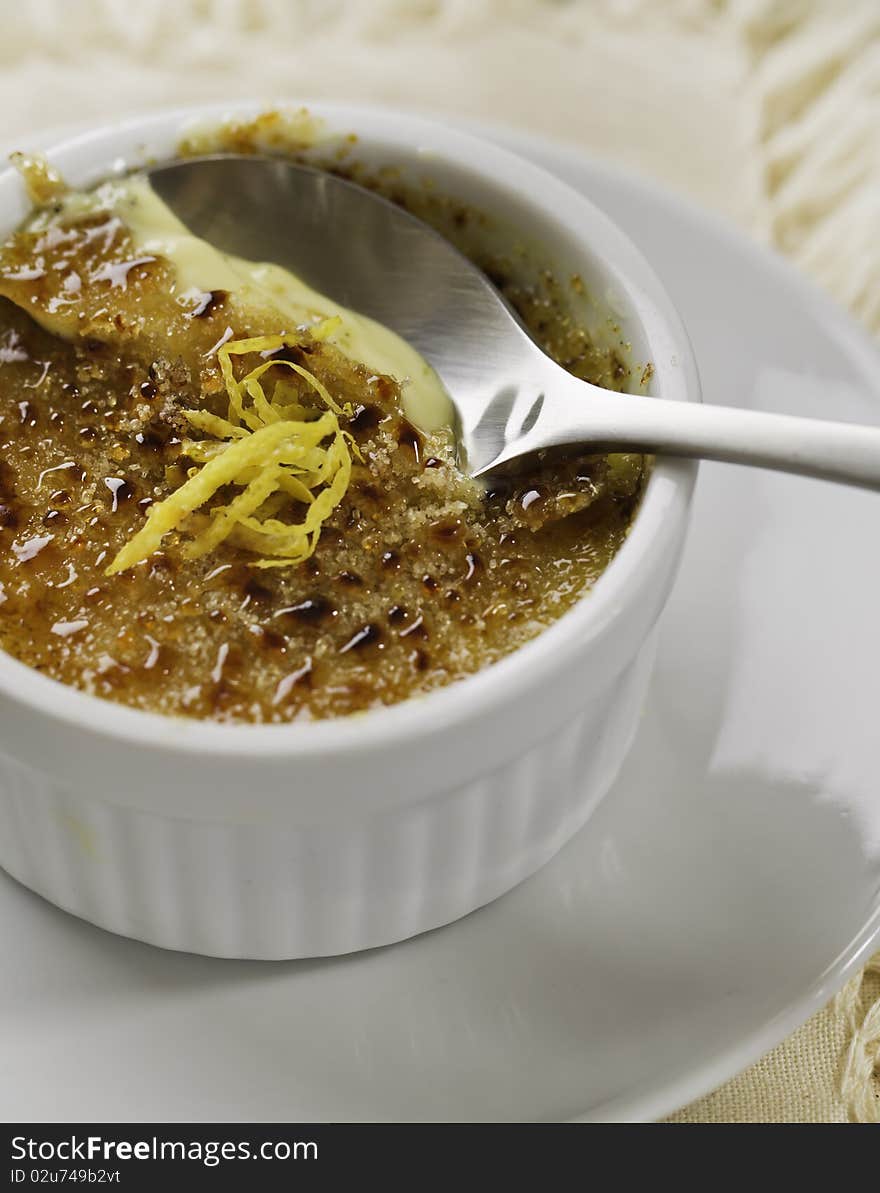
(233, 890)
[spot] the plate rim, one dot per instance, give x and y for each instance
(731, 1061)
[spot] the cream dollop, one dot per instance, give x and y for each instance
(200, 267)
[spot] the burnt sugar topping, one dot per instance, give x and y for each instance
(223, 497)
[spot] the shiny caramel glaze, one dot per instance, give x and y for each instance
(420, 577)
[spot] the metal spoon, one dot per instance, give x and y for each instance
(510, 398)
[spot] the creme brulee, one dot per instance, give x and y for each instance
(224, 496)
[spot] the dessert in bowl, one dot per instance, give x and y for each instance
(281, 681)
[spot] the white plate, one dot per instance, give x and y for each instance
(724, 890)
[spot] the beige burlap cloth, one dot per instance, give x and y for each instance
(766, 110)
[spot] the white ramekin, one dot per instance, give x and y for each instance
(307, 840)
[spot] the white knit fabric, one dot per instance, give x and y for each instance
(767, 110)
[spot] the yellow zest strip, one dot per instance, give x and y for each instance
(276, 452)
(294, 487)
(202, 420)
(225, 516)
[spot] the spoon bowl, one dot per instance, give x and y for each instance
(372, 256)
(510, 399)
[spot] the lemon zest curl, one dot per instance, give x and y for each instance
(279, 453)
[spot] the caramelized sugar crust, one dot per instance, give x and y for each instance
(420, 577)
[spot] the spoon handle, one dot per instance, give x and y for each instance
(833, 451)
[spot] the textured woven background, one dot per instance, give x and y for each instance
(765, 110)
